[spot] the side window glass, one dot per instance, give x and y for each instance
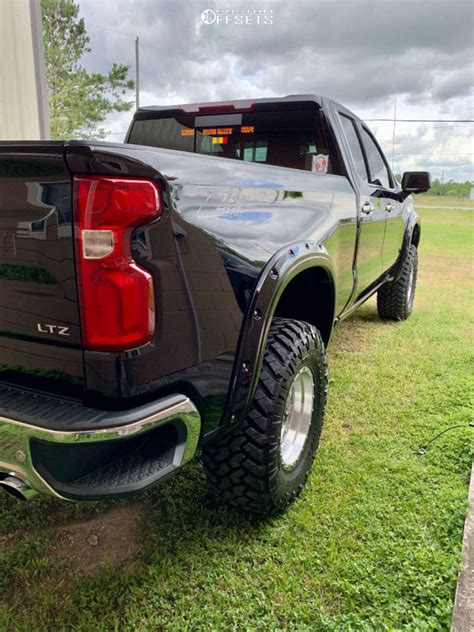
(256, 151)
(354, 145)
(378, 169)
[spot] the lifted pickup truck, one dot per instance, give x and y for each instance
(179, 291)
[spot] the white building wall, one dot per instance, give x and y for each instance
(23, 101)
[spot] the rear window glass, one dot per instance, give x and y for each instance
(295, 139)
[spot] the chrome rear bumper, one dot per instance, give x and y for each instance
(115, 454)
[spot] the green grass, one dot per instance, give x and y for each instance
(373, 543)
(443, 201)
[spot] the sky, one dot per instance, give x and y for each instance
(370, 55)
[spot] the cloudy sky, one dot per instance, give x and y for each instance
(367, 54)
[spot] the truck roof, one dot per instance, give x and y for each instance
(236, 105)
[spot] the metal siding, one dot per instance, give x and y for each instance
(22, 89)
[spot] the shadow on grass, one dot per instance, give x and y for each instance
(181, 523)
(365, 314)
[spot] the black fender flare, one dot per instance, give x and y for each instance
(282, 268)
(412, 226)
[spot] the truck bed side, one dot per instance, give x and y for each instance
(223, 221)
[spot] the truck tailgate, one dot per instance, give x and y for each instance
(38, 292)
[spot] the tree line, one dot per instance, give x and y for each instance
(450, 188)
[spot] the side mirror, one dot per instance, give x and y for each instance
(415, 182)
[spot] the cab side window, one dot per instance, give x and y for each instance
(354, 145)
(379, 173)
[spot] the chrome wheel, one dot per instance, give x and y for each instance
(297, 419)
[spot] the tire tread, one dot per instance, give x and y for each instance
(392, 303)
(239, 466)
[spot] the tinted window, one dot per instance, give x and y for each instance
(288, 139)
(295, 139)
(354, 145)
(174, 133)
(218, 141)
(256, 150)
(378, 169)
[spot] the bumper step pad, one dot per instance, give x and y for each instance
(63, 448)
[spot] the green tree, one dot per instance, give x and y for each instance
(450, 188)
(78, 100)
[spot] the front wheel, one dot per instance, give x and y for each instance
(262, 465)
(395, 299)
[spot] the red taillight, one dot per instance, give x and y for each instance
(115, 294)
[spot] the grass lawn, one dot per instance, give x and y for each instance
(373, 543)
(444, 201)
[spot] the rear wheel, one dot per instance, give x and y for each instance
(395, 299)
(263, 464)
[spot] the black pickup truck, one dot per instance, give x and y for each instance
(179, 291)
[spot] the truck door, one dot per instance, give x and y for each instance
(371, 209)
(385, 190)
